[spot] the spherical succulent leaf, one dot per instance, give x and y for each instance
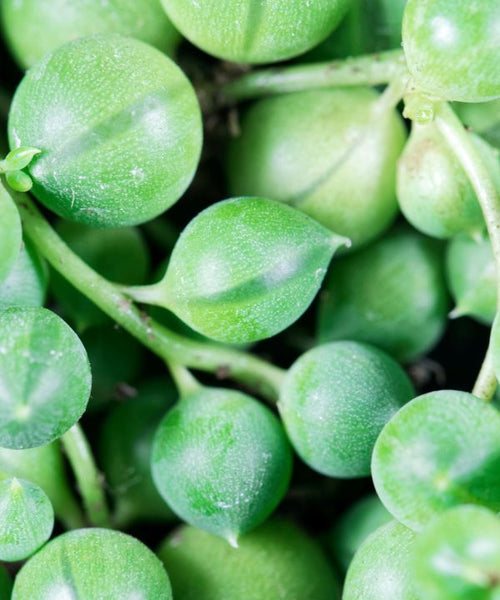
(118, 126)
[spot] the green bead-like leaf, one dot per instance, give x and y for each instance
(93, 564)
(391, 294)
(434, 192)
(43, 466)
(125, 448)
(355, 525)
(10, 233)
(222, 461)
(330, 153)
(277, 561)
(471, 274)
(440, 450)
(26, 284)
(119, 129)
(334, 402)
(453, 49)
(26, 519)
(244, 269)
(380, 568)
(251, 31)
(34, 28)
(44, 377)
(458, 556)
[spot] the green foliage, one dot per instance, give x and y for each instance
(277, 561)
(26, 519)
(470, 270)
(120, 142)
(391, 294)
(44, 377)
(354, 526)
(458, 556)
(380, 569)
(334, 402)
(244, 269)
(93, 564)
(125, 448)
(120, 255)
(62, 21)
(453, 49)
(26, 283)
(222, 462)
(10, 233)
(315, 150)
(434, 192)
(439, 451)
(251, 31)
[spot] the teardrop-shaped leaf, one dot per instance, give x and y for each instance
(45, 467)
(26, 519)
(222, 461)
(44, 377)
(440, 450)
(10, 233)
(458, 556)
(244, 269)
(93, 564)
(471, 274)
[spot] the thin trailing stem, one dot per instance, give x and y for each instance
(88, 478)
(461, 144)
(225, 362)
(372, 69)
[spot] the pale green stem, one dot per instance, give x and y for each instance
(88, 478)
(186, 383)
(225, 362)
(460, 143)
(372, 69)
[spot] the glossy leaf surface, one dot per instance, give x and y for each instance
(391, 294)
(44, 376)
(43, 466)
(380, 568)
(434, 192)
(119, 128)
(470, 269)
(330, 153)
(439, 451)
(34, 28)
(453, 49)
(26, 283)
(244, 269)
(10, 233)
(277, 561)
(458, 556)
(93, 564)
(251, 31)
(334, 402)
(26, 519)
(222, 461)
